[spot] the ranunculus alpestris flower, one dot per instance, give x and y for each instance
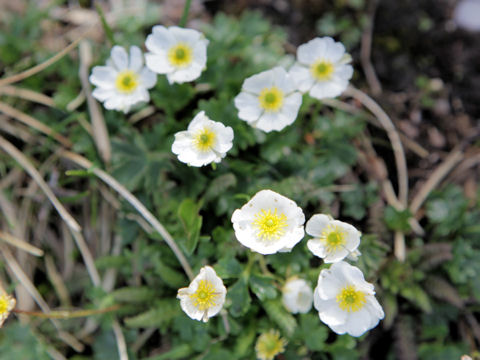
(269, 345)
(204, 141)
(333, 240)
(179, 53)
(269, 223)
(269, 100)
(205, 295)
(297, 296)
(124, 81)
(345, 301)
(322, 68)
(7, 304)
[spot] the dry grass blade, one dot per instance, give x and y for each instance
(34, 123)
(32, 290)
(20, 244)
(37, 68)
(27, 94)
(438, 174)
(114, 184)
(392, 133)
(122, 345)
(100, 133)
(57, 282)
(29, 168)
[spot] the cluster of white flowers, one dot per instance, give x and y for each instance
(269, 222)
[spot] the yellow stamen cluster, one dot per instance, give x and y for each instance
(271, 99)
(270, 225)
(269, 345)
(333, 237)
(350, 299)
(205, 139)
(180, 55)
(204, 297)
(7, 303)
(126, 82)
(322, 70)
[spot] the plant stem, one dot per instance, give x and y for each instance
(186, 9)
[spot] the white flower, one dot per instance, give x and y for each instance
(7, 304)
(345, 301)
(297, 296)
(269, 345)
(269, 100)
(269, 223)
(205, 295)
(204, 141)
(124, 81)
(322, 68)
(179, 53)
(333, 239)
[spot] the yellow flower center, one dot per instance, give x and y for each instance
(205, 295)
(180, 55)
(351, 300)
(269, 345)
(126, 82)
(270, 225)
(205, 139)
(4, 304)
(333, 237)
(271, 99)
(322, 70)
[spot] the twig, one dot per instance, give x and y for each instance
(366, 51)
(114, 184)
(122, 346)
(34, 123)
(27, 95)
(20, 244)
(384, 119)
(68, 314)
(37, 68)
(438, 174)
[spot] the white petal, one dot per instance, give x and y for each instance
(313, 50)
(160, 40)
(136, 59)
(328, 89)
(256, 83)
(188, 36)
(148, 78)
(302, 77)
(358, 322)
(291, 106)
(158, 63)
(200, 53)
(248, 106)
(331, 314)
(343, 72)
(282, 80)
(119, 57)
(336, 256)
(185, 75)
(317, 247)
(198, 122)
(329, 284)
(102, 94)
(103, 76)
(334, 51)
(317, 224)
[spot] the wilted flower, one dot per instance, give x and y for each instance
(179, 53)
(269, 100)
(322, 68)
(269, 345)
(124, 81)
(269, 223)
(297, 296)
(205, 295)
(333, 239)
(204, 141)
(345, 301)
(7, 304)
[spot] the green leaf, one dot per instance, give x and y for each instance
(263, 287)
(417, 296)
(173, 278)
(160, 315)
(191, 221)
(182, 351)
(277, 313)
(134, 294)
(312, 332)
(228, 267)
(396, 219)
(239, 297)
